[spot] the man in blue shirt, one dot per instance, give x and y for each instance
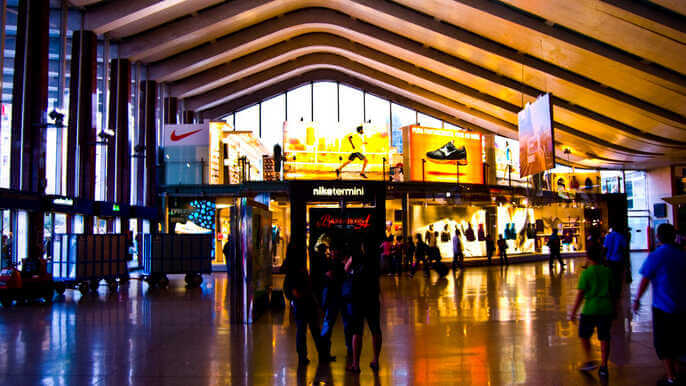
(615, 253)
(665, 269)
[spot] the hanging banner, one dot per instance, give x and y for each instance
(507, 162)
(436, 155)
(314, 152)
(536, 137)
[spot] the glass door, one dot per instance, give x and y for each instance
(639, 233)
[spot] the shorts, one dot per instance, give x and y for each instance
(588, 323)
(668, 334)
(369, 310)
(357, 155)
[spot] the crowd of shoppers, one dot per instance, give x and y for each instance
(349, 286)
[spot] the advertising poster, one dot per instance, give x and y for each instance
(191, 216)
(436, 155)
(314, 152)
(536, 146)
(507, 162)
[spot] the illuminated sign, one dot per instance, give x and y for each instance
(536, 141)
(438, 155)
(63, 201)
(115, 208)
(322, 191)
(317, 152)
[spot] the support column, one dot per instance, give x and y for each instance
(81, 135)
(118, 149)
(171, 108)
(148, 129)
(188, 116)
(30, 102)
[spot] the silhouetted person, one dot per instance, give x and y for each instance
(490, 248)
(421, 250)
(665, 270)
(554, 245)
(615, 246)
(365, 305)
(502, 250)
(298, 289)
(458, 254)
(409, 254)
(332, 301)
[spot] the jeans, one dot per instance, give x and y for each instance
(503, 257)
(458, 259)
(553, 256)
(332, 303)
(306, 314)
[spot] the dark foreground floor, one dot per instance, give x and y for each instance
(484, 326)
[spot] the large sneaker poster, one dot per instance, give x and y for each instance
(438, 155)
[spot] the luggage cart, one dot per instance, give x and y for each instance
(82, 261)
(165, 254)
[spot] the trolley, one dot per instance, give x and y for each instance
(81, 261)
(165, 254)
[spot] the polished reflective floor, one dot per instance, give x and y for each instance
(486, 325)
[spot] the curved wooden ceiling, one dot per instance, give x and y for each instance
(616, 69)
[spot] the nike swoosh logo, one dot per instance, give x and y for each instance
(174, 137)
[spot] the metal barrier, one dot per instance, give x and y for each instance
(79, 258)
(164, 254)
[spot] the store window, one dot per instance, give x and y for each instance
(299, 104)
(636, 190)
(377, 110)
(325, 103)
(351, 106)
(429, 121)
(273, 114)
(249, 120)
(400, 116)
(10, 35)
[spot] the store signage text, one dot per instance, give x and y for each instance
(446, 133)
(63, 201)
(357, 223)
(322, 191)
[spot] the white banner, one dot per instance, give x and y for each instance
(193, 134)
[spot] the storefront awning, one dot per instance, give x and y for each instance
(676, 200)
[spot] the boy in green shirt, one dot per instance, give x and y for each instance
(594, 287)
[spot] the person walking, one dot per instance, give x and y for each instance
(458, 253)
(298, 289)
(490, 248)
(332, 301)
(594, 290)
(386, 255)
(421, 251)
(554, 245)
(665, 269)
(502, 250)
(615, 246)
(409, 254)
(365, 306)
(397, 256)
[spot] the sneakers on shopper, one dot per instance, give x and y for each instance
(448, 152)
(589, 366)
(603, 372)
(667, 382)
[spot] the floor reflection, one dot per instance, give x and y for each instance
(483, 325)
